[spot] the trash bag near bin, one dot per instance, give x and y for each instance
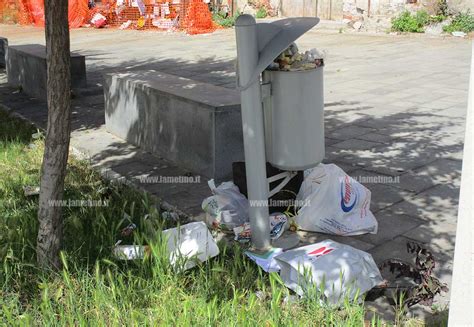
(227, 208)
(337, 270)
(334, 203)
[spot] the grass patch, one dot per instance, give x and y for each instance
(412, 23)
(224, 19)
(261, 13)
(463, 22)
(95, 289)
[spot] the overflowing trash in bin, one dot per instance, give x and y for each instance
(293, 60)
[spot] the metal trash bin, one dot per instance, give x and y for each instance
(294, 118)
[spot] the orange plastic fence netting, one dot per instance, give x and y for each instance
(198, 18)
(31, 12)
(193, 16)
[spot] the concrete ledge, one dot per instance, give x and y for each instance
(26, 68)
(3, 50)
(195, 125)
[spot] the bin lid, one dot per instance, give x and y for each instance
(273, 38)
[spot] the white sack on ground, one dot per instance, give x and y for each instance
(227, 208)
(191, 243)
(334, 203)
(340, 270)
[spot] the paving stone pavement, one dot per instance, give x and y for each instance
(395, 108)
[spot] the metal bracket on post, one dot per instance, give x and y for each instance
(266, 90)
(257, 46)
(286, 176)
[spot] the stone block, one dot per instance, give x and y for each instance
(26, 68)
(195, 125)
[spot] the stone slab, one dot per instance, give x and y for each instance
(390, 226)
(26, 68)
(195, 125)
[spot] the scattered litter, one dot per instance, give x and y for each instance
(31, 190)
(130, 252)
(227, 208)
(36, 135)
(290, 299)
(292, 60)
(98, 20)
(266, 260)
(32, 146)
(459, 34)
(334, 203)
(127, 231)
(242, 233)
(260, 295)
(125, 25)
(186, 245)
(170, 215)
(190, 243)
(357, 25)
(278, 225)
(337, 270)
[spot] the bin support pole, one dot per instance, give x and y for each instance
(252, 123)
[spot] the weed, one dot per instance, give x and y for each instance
(224, 19)
(261, 13)
(463, 22)
(406, 22)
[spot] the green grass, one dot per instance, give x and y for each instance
(224, 20)
(261, 13)
(95, 289)
(463, 22)
(412, 23)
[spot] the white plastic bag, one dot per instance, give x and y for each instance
(227, 208)
(193, 242)
(336, 269)
(334, 203)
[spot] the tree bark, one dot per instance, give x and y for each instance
(58, 133)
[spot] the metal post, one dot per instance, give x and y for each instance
(252, 123)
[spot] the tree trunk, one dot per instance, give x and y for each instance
(58, 133)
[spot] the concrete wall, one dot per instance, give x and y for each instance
(26, 68)
(195, 125)
(461, 5)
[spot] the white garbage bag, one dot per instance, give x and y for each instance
(336, 269)
(334, 203)
(227, 208)
(191, 243)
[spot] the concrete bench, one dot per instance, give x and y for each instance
(26, 68)
(3, 50)
(195, 125)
